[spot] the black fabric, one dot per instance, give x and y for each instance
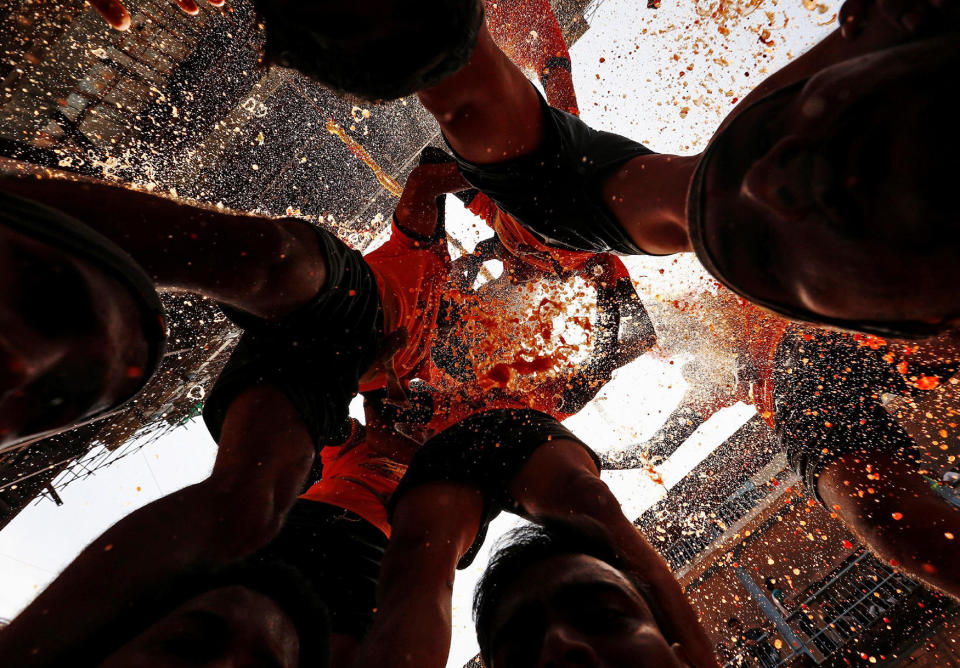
(487, 451)
(339, 553)
(466, 196)
(828, 392)
(555, 192)
(314, 355)
(64, 232)
(556, 61)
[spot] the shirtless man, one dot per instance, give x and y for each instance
(277, 277)
(822, 393)
(528, 158)
(560, 595)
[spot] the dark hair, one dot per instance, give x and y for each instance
(523, 547)
(420, 410)
(279, 581)
(375, 53)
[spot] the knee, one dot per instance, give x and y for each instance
(294, 270)
(241, 524)
(584, 493)
(436, 522)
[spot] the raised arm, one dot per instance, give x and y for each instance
(529, 33)
(260, 468)
(418, 211)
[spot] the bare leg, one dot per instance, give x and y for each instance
(260, 468)
(433, 526)
(561, 480)
(264, 266)
(891, 508)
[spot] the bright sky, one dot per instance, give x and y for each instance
(657, 76)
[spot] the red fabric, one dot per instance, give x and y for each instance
(411, 276)
(359, 478)
(514, 24)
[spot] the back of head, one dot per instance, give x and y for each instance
(371, 49)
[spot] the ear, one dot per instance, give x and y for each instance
(680, 652)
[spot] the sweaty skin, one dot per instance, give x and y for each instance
(231, 625)
(888, 504)
(574, 609)
(115, 13)
(259, 471)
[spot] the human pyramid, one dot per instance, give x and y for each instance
(822, 197)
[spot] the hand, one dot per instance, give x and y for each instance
(906, 16)
(118, 17)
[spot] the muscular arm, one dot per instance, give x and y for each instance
(433, 526)
(260, 468)
(417, 210)
(883, 499)
(528, 33)
(261, 265)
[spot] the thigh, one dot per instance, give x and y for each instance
(544, 479)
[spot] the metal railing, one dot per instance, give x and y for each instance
(737, 506)
(848, 602)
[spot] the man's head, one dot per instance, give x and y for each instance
(256, 615)
(371, 49)
(555, 596)
(833, 200)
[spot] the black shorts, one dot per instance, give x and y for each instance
(55, 228)
(828, 398)
(314, 355)
(339, 553)
(555, 192)
(487, 451)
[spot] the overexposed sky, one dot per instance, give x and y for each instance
(663, 77)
